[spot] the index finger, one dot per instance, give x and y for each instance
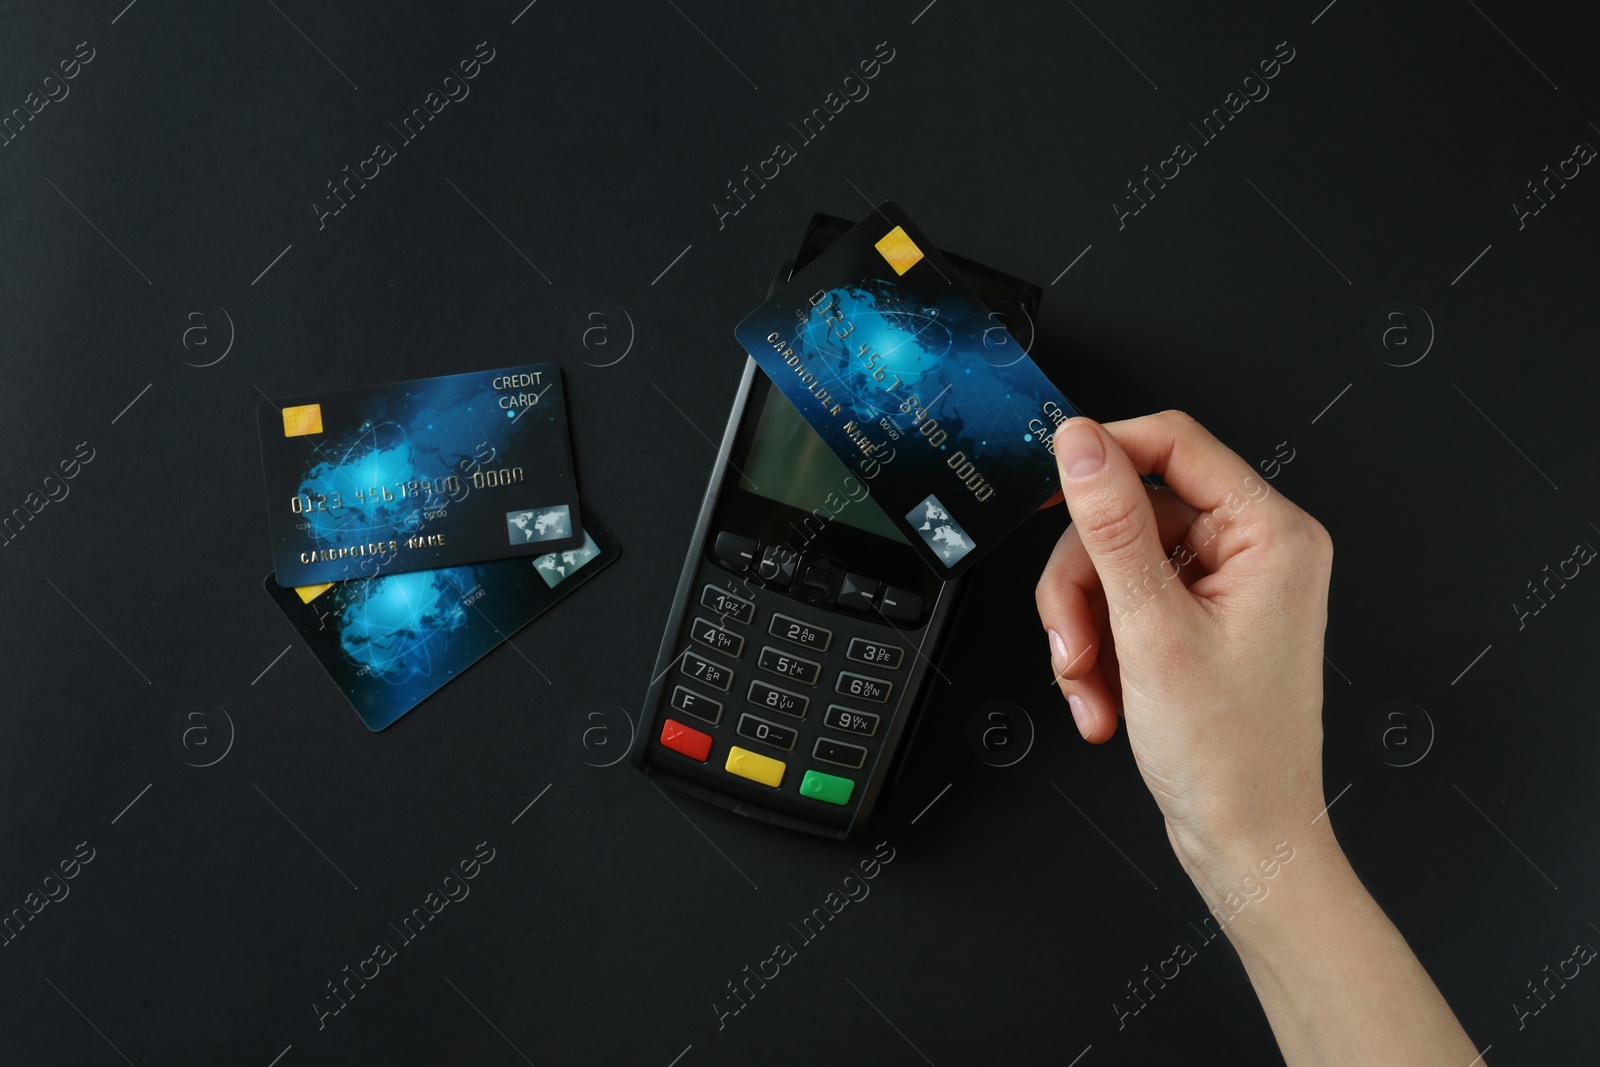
(1202, 470)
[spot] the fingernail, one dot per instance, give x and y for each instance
(1079, 451)
(1059, 658)
(1080, 714)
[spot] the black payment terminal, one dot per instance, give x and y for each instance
(804, 630)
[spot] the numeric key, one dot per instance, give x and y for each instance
(872, 690)
(703, 670)
(804, 671)
(796, 631)
(727, 605)
(716, 638)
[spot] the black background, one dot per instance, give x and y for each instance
(173, 189)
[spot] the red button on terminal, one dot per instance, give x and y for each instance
(686, 739)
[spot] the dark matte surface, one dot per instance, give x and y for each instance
(1020, 903)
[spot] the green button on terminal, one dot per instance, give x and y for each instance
(829, 788)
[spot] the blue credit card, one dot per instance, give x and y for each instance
(419, 475)
(907, 376)
(391, 642)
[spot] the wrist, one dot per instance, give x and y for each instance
(1253, 885)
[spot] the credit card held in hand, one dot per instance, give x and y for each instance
(911, 381)
(419, 475)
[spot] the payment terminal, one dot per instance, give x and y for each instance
(804, 632)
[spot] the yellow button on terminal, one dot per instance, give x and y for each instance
(755, 766)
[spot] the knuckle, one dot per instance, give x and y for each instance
(1305, 536)
(1320, 555)
(1321, 539)
(1043, 593)
(1304, 545)
(1179, 421)
(1112, 524)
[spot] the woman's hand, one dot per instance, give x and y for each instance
(1197, 613)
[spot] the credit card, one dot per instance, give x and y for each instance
(419, 475)
(911, 381)
(390, 642)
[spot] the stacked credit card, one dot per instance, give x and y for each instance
(417, 525)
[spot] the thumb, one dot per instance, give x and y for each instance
(1113, 516)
